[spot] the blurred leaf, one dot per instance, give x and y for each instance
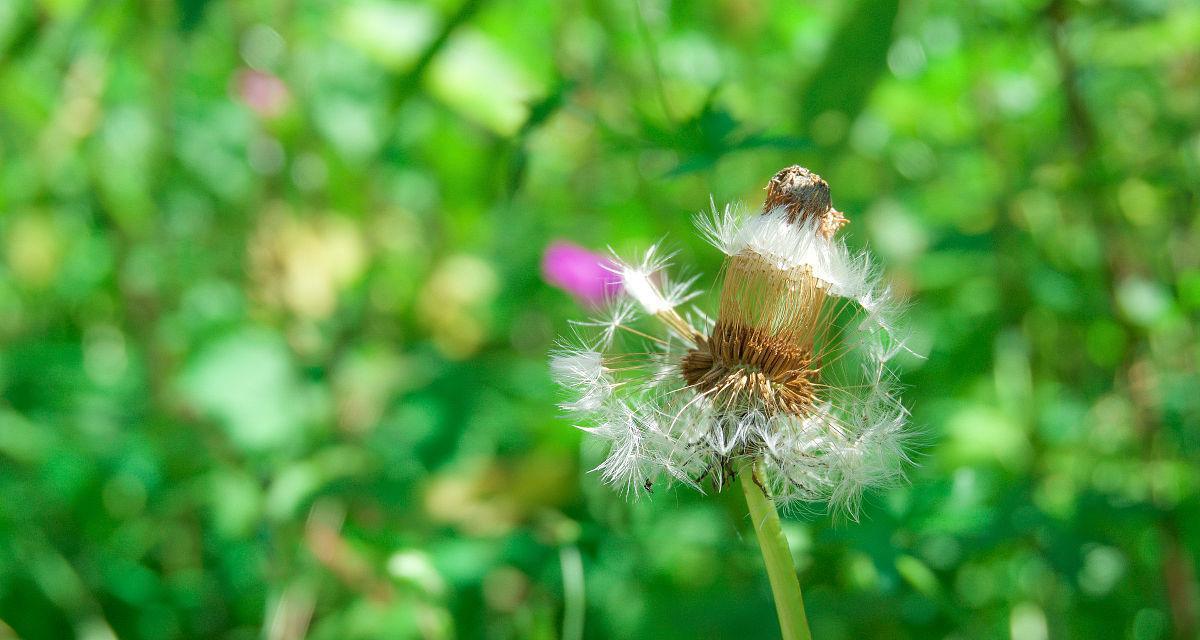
(191, 13)
(854, 60)
(539, 113)
(704, 139)
(247, 383)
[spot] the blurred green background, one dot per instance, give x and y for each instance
(274, 328)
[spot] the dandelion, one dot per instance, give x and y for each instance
(787, 387)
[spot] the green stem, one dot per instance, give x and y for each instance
(776, 556)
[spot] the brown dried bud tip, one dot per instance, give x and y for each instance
(805, 196)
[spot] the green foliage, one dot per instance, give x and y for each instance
(273, 332)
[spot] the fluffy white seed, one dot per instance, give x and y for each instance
(582, 371)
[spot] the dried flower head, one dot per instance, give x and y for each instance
(792, 371)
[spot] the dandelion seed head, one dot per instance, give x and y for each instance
(791, 369)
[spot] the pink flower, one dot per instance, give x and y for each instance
(264, 93)
(579, 272)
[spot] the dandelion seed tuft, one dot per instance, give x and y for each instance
(792, 370)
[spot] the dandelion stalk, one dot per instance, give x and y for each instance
(785, 586)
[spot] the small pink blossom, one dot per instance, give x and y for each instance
(579, 272)
(265, 94)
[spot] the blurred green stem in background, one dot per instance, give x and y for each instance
(785, 586)
(574, 600)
